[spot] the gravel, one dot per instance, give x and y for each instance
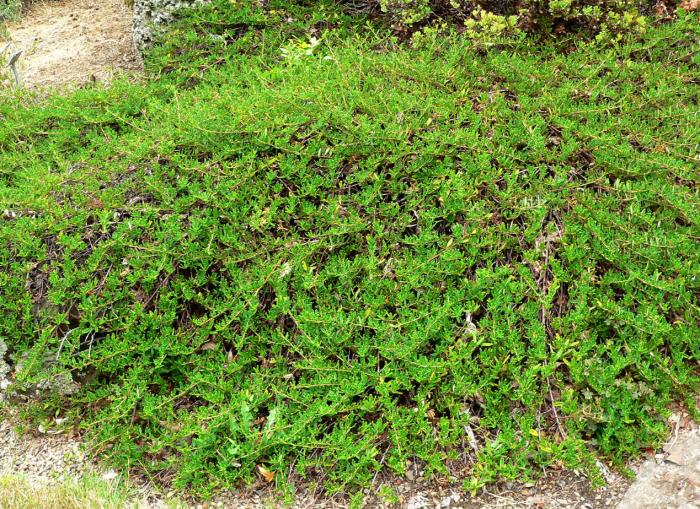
(43, 458)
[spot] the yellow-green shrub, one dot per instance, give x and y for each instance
(604, 19)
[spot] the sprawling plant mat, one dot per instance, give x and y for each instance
(351, 254)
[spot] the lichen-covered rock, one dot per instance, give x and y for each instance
(150, 16)
(46, 381)
(4, 369)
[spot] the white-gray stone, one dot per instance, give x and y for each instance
(4, 369)
(151, 16)
(673, 482)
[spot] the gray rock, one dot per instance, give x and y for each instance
(417, 501)
(60, 382)
(4, 369)
(52, 380)
(674, 483)
(152, 16)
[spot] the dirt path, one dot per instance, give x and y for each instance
(73, 42)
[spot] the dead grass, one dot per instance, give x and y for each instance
(88, 493)
(72, 42)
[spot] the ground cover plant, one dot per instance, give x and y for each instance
(303, 253)
(9, 9)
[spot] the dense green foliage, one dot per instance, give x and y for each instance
(9, 9)
(605, 19)
(328, 256)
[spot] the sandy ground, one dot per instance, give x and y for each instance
(73, 42)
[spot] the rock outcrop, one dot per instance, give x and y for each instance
(151, 16)
(4, 369)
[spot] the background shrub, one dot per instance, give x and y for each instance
(607, 19)
(10, 9)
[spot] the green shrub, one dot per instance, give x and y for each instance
(322, 266)
(603, 18)
(10, 9)
(607, 19)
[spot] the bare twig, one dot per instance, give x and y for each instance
(92, 340)
(671, 443)
(471, 437)
(554, 410)
(12, 64)
(381, 464)
(63, 341)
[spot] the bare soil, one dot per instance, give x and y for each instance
(73, 42)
